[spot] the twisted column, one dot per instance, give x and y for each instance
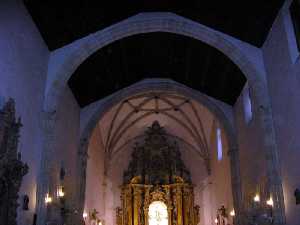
(137, 200)
(179, 205)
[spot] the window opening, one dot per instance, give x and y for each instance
(219, 145)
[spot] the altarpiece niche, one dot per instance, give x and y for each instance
(157, 187)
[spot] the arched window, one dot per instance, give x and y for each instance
(219, 144)
(247, 104)
(158, 213)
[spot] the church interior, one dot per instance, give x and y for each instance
(149, 112)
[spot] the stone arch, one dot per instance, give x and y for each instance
(221, 111)
(64, 61)
(97, 110)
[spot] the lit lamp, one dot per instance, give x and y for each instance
(60, 192)
(48, 199)
(232, 213)
(270, 202)
(256, 198)
(216, 221)
(256, 208)
(84, 215)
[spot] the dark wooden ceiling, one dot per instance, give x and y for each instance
(158, 54)
(62, 22)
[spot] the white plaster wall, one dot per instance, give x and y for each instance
(23, 65)
(282, 64)
(118, 165)
(95, 183)
(217, 190)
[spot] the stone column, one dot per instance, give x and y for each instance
(47, 178)
(82, 157)
(233, 154)
(273, 164)
(263, 112)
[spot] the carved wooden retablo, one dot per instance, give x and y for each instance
(156, 173)
(12, 169)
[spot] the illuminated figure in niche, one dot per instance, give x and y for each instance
(158, 213)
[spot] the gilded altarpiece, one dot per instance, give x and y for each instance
(156, 173)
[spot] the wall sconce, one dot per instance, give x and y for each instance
(256, 198)
(261, 211)
(270, 202)
(232, 213)
(60, 192)
(48, 199)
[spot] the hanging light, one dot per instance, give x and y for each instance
(216, 221)
(256, 198)
(48, 199)
(232, 213)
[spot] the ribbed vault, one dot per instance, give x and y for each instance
(185, 120)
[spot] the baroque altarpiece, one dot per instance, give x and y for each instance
(157, 187)
(12, 169)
